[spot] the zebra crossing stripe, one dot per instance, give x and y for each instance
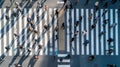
(92, 36)
(106, 28)
(97, 34)
(46, 36)
(63, 66)
(116, 31)
(68, 32)
(36, 37)
(111, 21)
(87, 35)
(72, 31)
(77, 18)
(20, 27)
(56, 41)
(40, 29)
(10, 34)
(102, 43)
(15, 32)
(25, 30)
(50, 32)
(64, 60)
(82, 23)
(5, 36)
(0, 34)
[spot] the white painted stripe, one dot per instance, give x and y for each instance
(36, 28)
(63, 66)
(25, 23)
(111, 22)
(62, 55)
(68, 32)
(30, 41)
(77, 38)
(116, 31)
(10, 35)
(5, 35)
(87, 35)
(15, 31)
(64, 60)
(72, 29)
(46, 36)
(82, 23)
(60, 2)
(97, 34)
(0, 20)
(50, 31)
(55, 33)
(20, 27)
(106, 45)
(0, 33)
(40, 30)
(92, 36)
(4, 10)
(102, 39)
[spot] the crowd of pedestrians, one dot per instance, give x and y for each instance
(98, 4)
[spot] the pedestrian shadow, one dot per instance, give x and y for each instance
(1, 3)
(22, 59)
(14, 58)
(7, 27)
(29, 4)
(32, 62)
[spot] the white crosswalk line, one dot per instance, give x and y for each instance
(15, 31)
(87, 35)
(106, 28)
(116, 31)
(0, 34)
(46, 36)
(5, 36)
(36, 28)
(72, 31)
(20, 26)
(111, 22)
(50, 31)
(77, 37)
(63, 66)
(55, 33)
(4, 10)
(25, 24)
(82, 25)
(40, 29)
(68, 32)
(10, 34)
(102, 42)
(97, 35)
(92, 35)
(64, 60)
(0, 20)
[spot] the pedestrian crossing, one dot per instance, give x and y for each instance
(26, 38)
(97, 44)
(19, 25)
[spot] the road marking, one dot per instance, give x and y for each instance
(68, 32)
(97, 35)
(102, 42)
(92, 35)
(116, 31)
(77, 29)
(10, 34)
(72, 31)
(82, 23)
(87, 35)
